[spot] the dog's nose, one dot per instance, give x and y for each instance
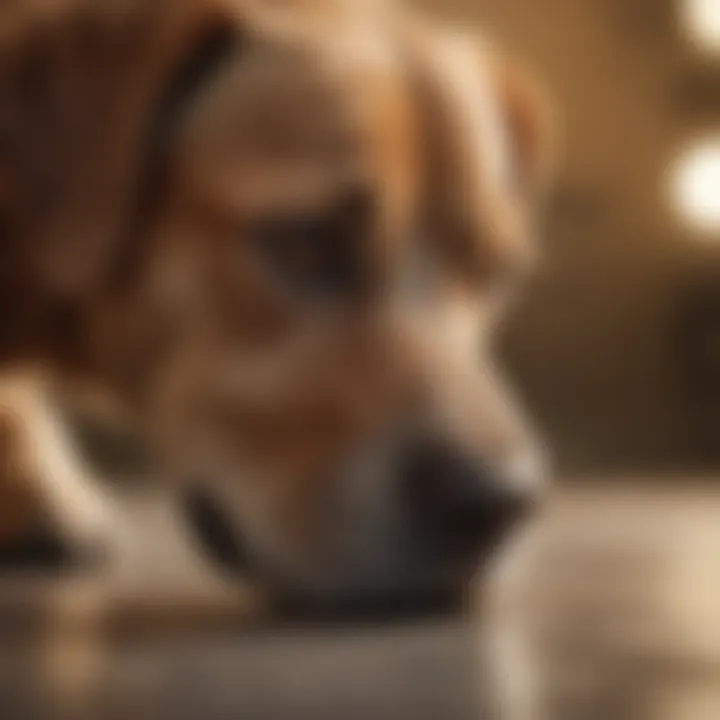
(465, 506)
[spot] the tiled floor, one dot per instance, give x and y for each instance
(627, 600)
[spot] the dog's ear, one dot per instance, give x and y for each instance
(487, 148)
(529, 119)
(86, 89)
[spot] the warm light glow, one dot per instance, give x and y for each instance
(702, 20)
(696, 186)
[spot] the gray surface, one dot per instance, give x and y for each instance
(626, 603)
(415, 672)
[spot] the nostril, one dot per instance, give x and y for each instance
(460, 502)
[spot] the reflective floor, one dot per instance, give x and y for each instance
(626, 599)
(631, 604)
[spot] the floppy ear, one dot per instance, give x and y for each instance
(528, 117)
(82, 84)
(486, 146)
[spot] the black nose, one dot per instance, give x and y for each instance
(461, 504)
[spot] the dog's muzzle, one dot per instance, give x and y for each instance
(406, 539)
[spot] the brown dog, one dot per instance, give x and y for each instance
(278, 235)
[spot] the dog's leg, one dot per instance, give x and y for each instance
(148, 568)
(59, 482)
(153, 579)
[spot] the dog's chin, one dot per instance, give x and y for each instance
(399, 596)
(370, 607)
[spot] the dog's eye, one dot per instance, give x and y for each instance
(317, 254)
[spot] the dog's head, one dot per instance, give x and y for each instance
(339, 203)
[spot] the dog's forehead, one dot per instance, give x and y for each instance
(334, 20)
(270, 124)
(291, 118)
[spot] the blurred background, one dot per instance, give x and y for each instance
(616, 347)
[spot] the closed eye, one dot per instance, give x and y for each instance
(317, 254)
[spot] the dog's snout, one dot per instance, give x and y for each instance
(463, 504)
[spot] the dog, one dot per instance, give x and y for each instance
(277, 237)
